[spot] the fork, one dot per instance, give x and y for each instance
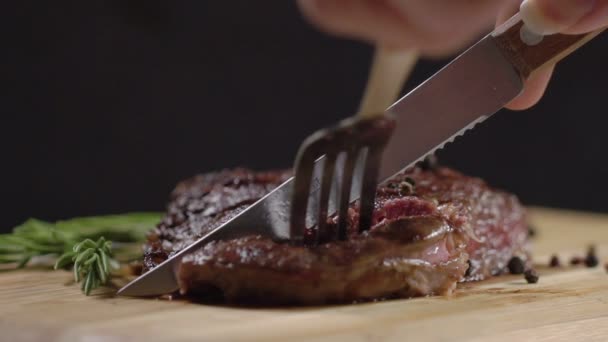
(350, 150)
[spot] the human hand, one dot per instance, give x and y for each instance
(439, 27)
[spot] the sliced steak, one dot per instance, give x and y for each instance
(424, 239)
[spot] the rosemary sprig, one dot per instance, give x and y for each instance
(32, 238)
(36, 238)
(84, 243)
(92, 262)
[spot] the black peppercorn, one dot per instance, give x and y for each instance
(554, 261)
(429, 163)
(516, 265)
(407, 187)
(576, 260)
(531, 232)
(531, 276)
(591, 259)
(410, 180)
(392, 185)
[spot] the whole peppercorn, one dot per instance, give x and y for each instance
(531, 276)
(531, 232)
(429, 163)
(554, 262)
(516, 265)
(576, 261)
(591, 259)
(406, 188)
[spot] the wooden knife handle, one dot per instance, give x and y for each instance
(532, 56)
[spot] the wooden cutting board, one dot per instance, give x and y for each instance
(570, 304)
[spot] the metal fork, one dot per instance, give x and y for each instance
(350, 150)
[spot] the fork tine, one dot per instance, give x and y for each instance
(349, 137)
(304, 168)
(368, 187)
(328, 177)
(347, 177)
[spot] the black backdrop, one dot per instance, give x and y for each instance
(106, 105)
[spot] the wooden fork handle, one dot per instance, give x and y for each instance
(530, 56)
(389, 71)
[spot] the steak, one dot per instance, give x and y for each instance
(430, 230)
(200, 204)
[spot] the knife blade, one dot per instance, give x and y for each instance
(465, 92)
(468, 90)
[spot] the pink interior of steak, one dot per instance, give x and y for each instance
(494, 220)
(422, 241)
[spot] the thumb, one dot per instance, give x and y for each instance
(553, 16)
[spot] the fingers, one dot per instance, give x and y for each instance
(440, 27)
(534, 88)
(568, 16)
(553, 16)
(536, 84)
(372, 21)
(434, 27)
(596, 19)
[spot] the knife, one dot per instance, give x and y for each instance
(468, 90)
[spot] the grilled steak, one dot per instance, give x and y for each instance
(202, 203)
(431, 229)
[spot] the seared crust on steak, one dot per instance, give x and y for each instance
(448, 228)
(202, 203)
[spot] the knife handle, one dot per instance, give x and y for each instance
(534, 55)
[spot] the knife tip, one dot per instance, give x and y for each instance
(158, 281)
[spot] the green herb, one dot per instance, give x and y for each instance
(39, 238)
(84, 243)
(92, 263)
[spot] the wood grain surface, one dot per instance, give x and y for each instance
(568, 304)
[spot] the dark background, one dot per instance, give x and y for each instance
(106, 105)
